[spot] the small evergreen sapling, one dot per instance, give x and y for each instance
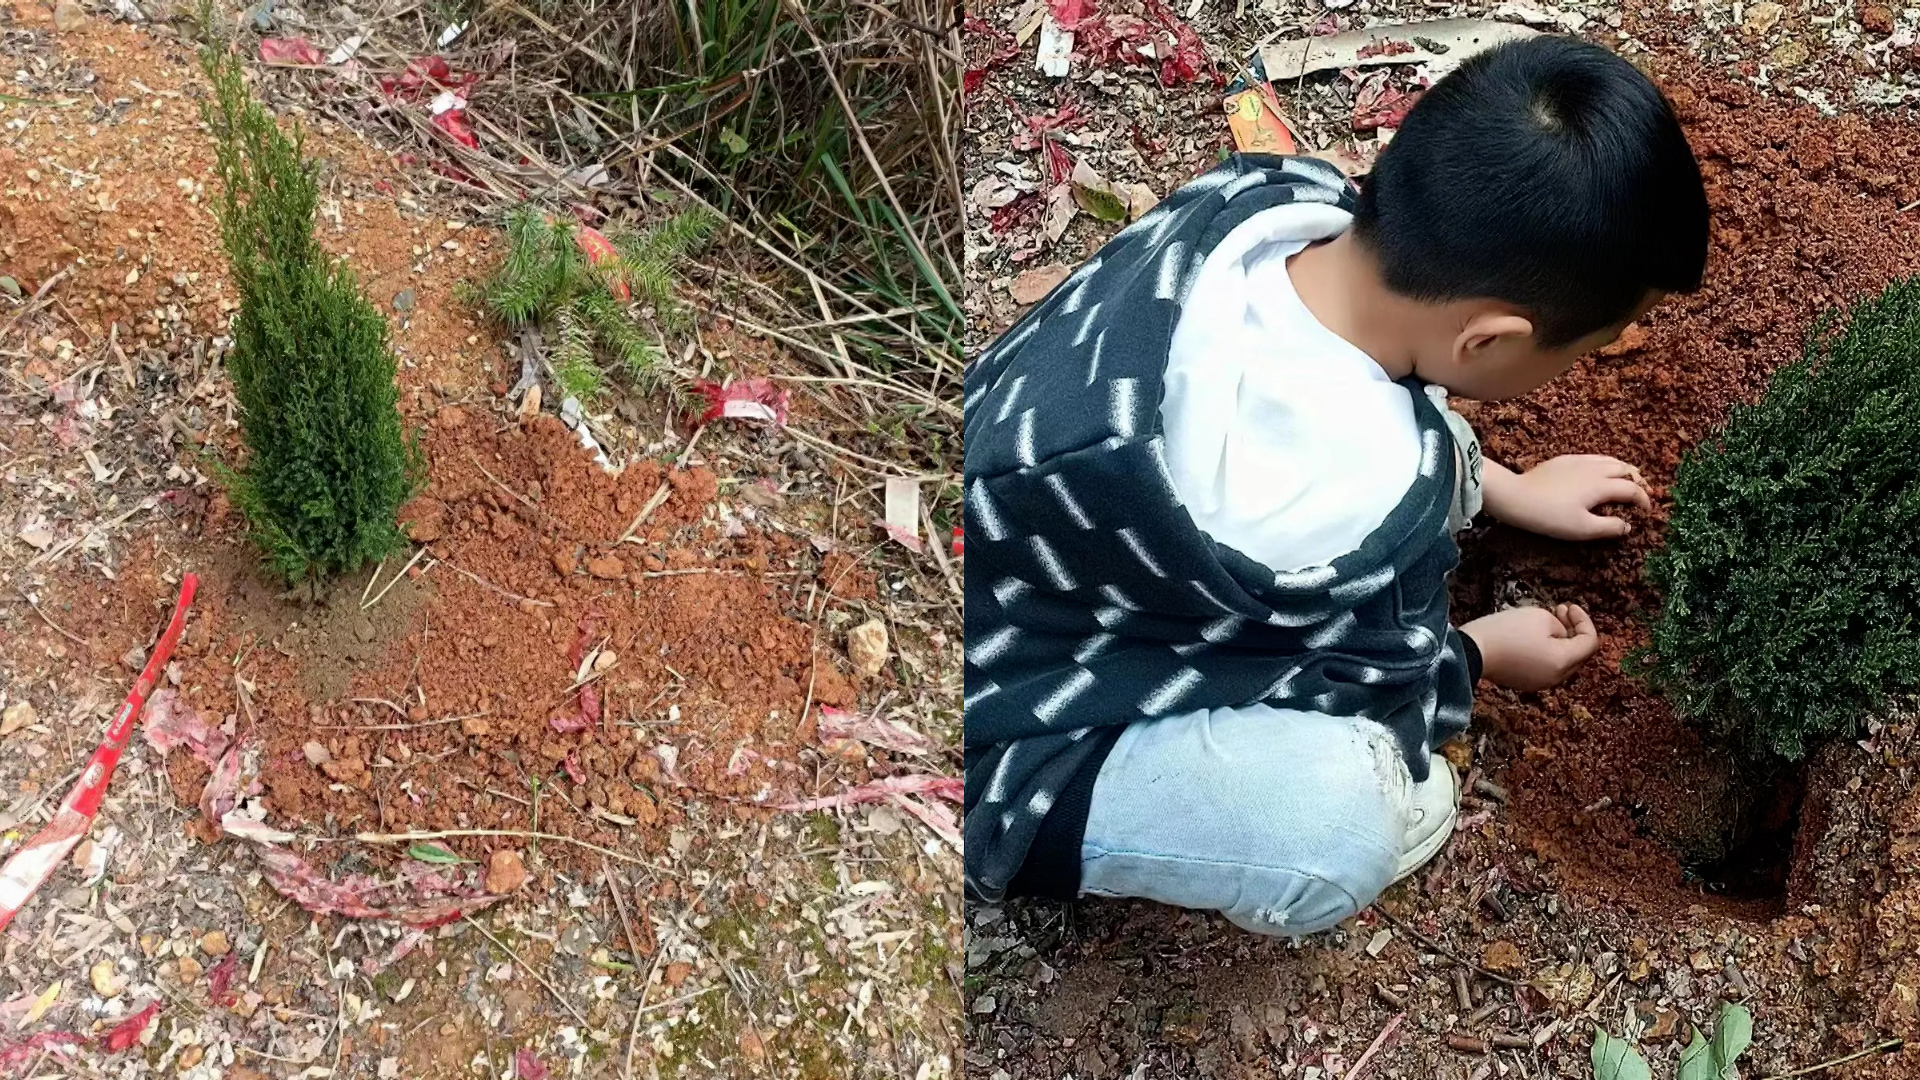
(327, 463)
(1791, 572)
(548, 282)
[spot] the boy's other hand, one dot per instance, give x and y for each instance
(1557, 498)
(1530, 648)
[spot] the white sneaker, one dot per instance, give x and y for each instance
(1434, 807)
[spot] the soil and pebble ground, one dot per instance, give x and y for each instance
(1609, 870)
(599, 685)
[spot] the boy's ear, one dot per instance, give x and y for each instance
(1484, 331)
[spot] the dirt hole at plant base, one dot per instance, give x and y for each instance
(1607, 788)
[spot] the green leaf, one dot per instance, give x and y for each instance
(1695, 1061)
(1616, 1059)
(1704, 1060)
(1732, 1034)
(731, 139)
(1101, 202)
(10, 287)
(433, 853)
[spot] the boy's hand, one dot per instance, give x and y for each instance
(1529, 648)
(1557, 498)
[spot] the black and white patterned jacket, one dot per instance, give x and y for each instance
(1094, 601)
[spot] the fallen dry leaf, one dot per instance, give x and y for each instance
(1459, 39)
(1095, 195)
(885, 734)
(867, 647)
(18, 715)
(1032, 286)
(1060, 211)
(1140, 198)
(1503, 957)
(944, 787)
(42, 1003)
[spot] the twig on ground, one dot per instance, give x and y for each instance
(654, 502)
(1360, 1067)
(1887, 1047)
(497, 482)
(1441, 949)
(370, 583)
(571, 1008)
(369, 605)
(485, 584)
(403, 727)
(58, 550)
(400, 712)
(522, 834)
(57, 628)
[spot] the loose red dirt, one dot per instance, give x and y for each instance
(1807, 216)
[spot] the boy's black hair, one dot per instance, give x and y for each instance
(1548, 173)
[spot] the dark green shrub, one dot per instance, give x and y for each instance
(327, 463)
(547, 281)
(1791, 573)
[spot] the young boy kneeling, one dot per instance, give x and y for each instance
(1212, 485)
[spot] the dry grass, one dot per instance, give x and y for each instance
(826, 135)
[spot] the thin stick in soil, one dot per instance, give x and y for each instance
(1888, 1047)
(522, 834)
(485, 584)
(653, 503)
(402, 727)
(1441, 949)
(1360, 1067)
(57, 628)
(381, 595)
(542, 979)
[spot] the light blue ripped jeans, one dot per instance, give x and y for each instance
(1286, 822)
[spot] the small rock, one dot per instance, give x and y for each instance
(867, 647)
(1503, 957)
(563, 563)
(417, 714)
(215, 943)
(1762, 17)
(1875, 19)
(1662, 1025)
(605, 660)
(678, 973)
(607, 567)
(317, 754)
(37, 537)
(363, 629)
(1788, 55)
(505, 872)
(984, 1005)
(68, 16)
(107, 981)
(191, 1056)
(451, 417)
(1701, 961)
(18, 715)
(751, 1048)
(1631, 340)
(403, 300)
(475, 726)
(190, 970)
